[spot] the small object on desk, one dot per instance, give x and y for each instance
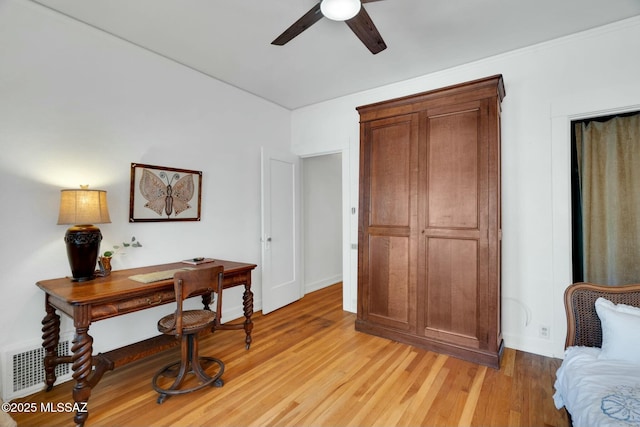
(197, 261)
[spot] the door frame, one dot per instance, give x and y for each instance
(350, 184)
(563, 111)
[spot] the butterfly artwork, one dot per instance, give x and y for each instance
(160, 193)
(163, 194)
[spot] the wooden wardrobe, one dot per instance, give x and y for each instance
(429, 222)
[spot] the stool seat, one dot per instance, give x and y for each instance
(186, 325)
(193, 321)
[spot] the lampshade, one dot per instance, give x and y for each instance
(340, 10)
(83, 206)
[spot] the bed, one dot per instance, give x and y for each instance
(598, 382)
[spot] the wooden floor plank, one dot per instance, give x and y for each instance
(307, 366)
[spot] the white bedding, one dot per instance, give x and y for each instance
(598, 392)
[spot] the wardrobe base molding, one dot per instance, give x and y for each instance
(477, 356)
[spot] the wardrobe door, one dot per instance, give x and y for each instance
(388, 223)
(454, 253)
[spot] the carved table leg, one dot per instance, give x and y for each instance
(82, 362)
(247, 299)
(50, 339)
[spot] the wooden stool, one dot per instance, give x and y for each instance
(186, 325)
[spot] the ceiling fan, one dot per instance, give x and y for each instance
(350, 11)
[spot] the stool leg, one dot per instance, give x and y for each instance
(196, 366)
(184, 363)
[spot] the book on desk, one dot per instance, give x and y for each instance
(197, 261)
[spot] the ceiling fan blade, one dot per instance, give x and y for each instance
(363, 27)
(307, 20)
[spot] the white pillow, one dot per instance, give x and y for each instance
(620, 331)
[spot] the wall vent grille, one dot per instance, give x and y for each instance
(25, 370)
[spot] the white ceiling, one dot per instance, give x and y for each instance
(230, 39)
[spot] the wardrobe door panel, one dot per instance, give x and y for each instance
(452, 291)
(452, 172)
(389, 280)
(390, 162)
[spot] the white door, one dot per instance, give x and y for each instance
(281, 283)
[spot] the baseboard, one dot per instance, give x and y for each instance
(320, 284)
(540, 346)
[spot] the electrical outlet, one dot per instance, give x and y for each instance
(544, 332)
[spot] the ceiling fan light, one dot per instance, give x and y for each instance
(340, 10)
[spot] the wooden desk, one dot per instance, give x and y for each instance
(112, 296)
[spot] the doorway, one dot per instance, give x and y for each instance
(322, 221)
(605, 206)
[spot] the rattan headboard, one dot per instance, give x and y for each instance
(583, 324)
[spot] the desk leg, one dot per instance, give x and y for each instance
(82, 362)
(50, 340)
(247, 299)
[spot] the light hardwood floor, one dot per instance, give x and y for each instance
(307, 366)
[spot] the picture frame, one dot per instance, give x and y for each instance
(160, 193)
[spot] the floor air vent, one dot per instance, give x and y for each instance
(24, 372)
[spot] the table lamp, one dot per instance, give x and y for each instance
(83, 208)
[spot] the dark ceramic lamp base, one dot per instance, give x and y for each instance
(83, 245)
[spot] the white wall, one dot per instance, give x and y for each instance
(548, 83)
(322, 220)
(78, 106)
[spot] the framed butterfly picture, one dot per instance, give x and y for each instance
(160, 193)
